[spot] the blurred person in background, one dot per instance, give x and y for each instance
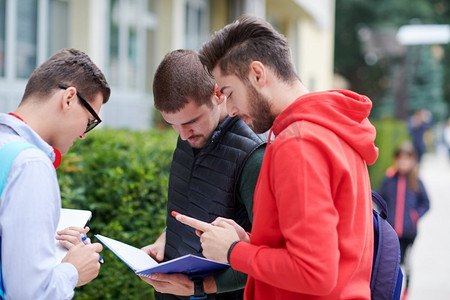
(418, 124)
(446, 137)
(407, 201)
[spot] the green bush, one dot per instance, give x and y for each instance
(122, 177)
(390, 134)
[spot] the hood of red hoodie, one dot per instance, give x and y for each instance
(341, 111)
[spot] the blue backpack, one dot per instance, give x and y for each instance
(8, 153)
(387, 277)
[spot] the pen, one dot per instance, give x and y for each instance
(86, 242)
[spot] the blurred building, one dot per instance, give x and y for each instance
(128, 38)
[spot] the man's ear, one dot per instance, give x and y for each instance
(257, 74)
(219, 97)
(68, 98)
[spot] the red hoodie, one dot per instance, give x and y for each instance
(312, 235)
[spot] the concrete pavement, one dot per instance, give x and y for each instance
(430, 256)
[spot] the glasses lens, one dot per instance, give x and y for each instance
(91, 125)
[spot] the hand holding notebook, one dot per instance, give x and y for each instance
(68, 218)
(143, 265)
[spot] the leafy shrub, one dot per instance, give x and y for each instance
(122, 177)
(390, 134)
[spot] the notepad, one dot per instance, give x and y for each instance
(144, 265)
(70, 217)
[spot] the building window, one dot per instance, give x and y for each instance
(2, 37)
(58, 30)
(197, 24)
(132, 23)
(28, 29)
(26, 37)
(236, 8)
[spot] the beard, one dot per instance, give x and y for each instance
(260, 112)
(199, 143)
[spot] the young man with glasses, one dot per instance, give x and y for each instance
(214, 171)
(52, 115)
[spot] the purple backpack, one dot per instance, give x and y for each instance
(387, 277)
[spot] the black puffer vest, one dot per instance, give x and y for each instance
(203, 186)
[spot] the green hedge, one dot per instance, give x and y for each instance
(390, 133)
(122, 177)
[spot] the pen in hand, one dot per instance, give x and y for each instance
(85, 241)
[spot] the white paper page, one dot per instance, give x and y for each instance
(70, 217)
(134, 257)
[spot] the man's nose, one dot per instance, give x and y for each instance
(232, 111)
(185, 132)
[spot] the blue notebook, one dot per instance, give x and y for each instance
(144, 265)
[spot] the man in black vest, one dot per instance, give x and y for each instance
(214, 171)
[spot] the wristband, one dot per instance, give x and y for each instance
(199, 292)
(231, 249)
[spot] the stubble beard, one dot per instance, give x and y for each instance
(260, 111)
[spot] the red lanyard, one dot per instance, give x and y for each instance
(58, 156)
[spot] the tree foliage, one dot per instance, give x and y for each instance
(376, 80)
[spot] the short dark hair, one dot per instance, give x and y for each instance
(179, 78)
(71, 67)
(247, 39)
(405, 148)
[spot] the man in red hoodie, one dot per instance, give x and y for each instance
(312, 236)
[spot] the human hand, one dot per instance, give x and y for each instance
(71, 236)
(243, 235)
(85, 258)
(156, 250)
(215, 239)
(178, 284)
(175, 284)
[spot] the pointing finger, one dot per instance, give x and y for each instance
(194, 223)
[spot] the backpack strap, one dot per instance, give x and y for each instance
(381, 204)
(8, 153)
(387, 277)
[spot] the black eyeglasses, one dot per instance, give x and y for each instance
(92, 124)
